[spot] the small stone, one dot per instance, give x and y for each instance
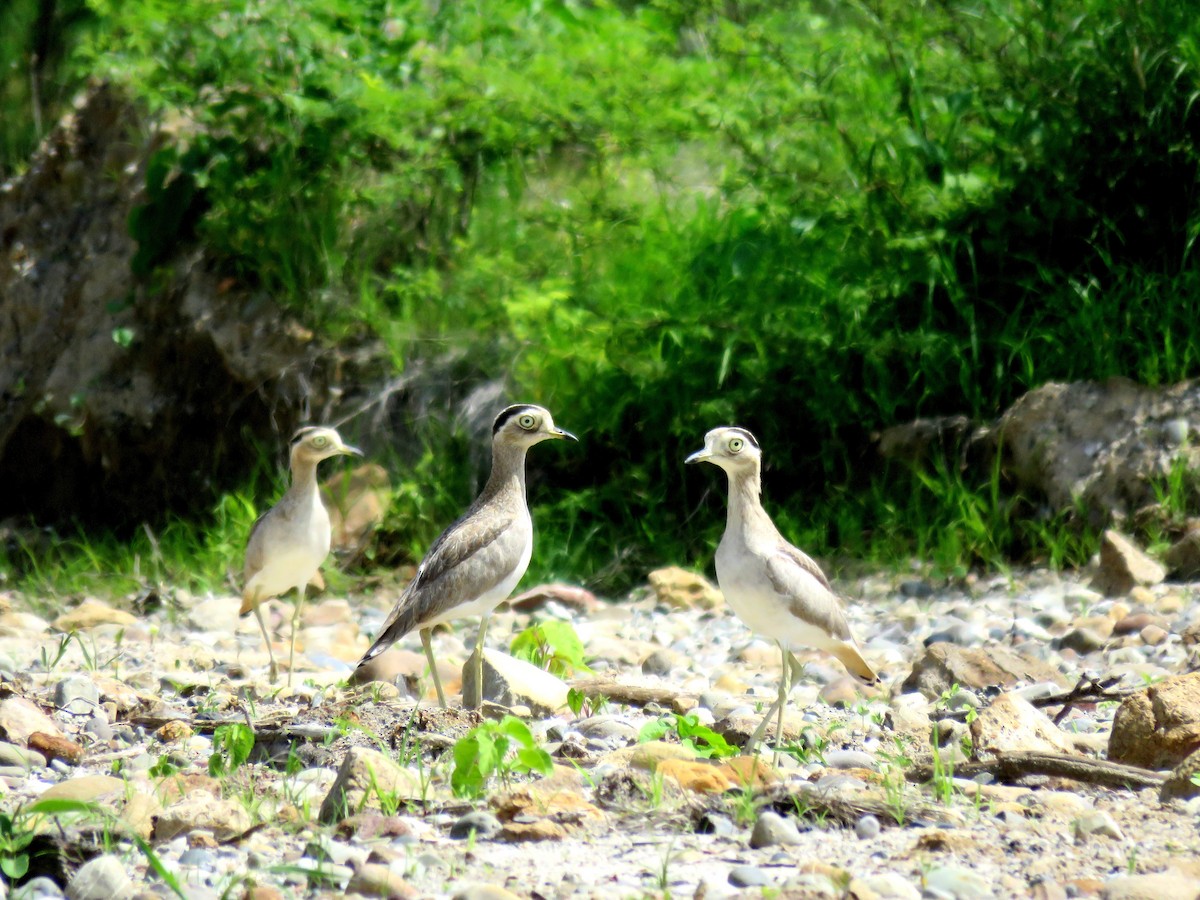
(483, 824)
(960, 884)
(1123, 566)
(849, 759)
(1159, 726)
(1081, 640)
(841, 692)
(608, 728)
(1179, 784)
(175, 730)
(1175, 432)
(915, 588)
(101, 878)
(748, 876)
(53, 747)
(485, 892)
(680, 589)
(867, 827)
(1154, 635)
(196, 857)
(660, 662)
(373, 880)
(77, 695)
(890, 886)
(772, 830)
(1098, 822)
(12, 755)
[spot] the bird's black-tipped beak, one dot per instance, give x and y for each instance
(564, 435)
(698, 456)
(347, 450)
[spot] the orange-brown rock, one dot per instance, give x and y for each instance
(1158, 727)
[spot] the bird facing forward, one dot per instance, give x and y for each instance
(478, 560)
(776, 589)
(289, 541)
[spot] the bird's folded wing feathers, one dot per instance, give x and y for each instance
(452, 549)
(809, 596)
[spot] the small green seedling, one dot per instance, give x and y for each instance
(503, 748)
(700, 738)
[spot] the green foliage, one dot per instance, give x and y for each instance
(503, 748)
(552, 645)
(701, 739)
(814, 220)
(19, 828)
(232, 746)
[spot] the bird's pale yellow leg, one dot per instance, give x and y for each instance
(788, 674)
(266, 640)
(785, 687)
(483, 624)
(295, 627)
(427, 643)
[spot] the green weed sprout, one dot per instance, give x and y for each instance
(503, 748)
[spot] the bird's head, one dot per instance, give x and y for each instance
(524, 425)
(732, 448)
(315, 443)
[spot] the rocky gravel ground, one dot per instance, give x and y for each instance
(347, 790)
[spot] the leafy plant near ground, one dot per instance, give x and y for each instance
(232, 746)
(687, 728)
(505, 748)
(552, 645)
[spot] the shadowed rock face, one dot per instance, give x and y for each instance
(124, 400)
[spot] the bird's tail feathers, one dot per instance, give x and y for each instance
(849, 657)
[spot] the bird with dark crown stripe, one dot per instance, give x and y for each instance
(478, 560)
(776, 589)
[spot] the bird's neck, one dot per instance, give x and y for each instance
(304, 475)
(508, 471)
(745, 503)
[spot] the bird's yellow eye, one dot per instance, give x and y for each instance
(527, 422)
(736, 444)
(319, 441)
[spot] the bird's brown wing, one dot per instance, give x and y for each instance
(430, 593)
(809, 596)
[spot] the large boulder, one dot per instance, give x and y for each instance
(1159, 726)
(1106, 447)
(122, 396)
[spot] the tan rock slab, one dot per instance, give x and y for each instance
(1161, 886)
(1011, 723)
(363, 776)
(1123, 566)
(944, 665)
(698, 776)
(1158, 727)
(374, 880)
(223, 819)
(681, 589)
(19, 718)
(91, 613)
